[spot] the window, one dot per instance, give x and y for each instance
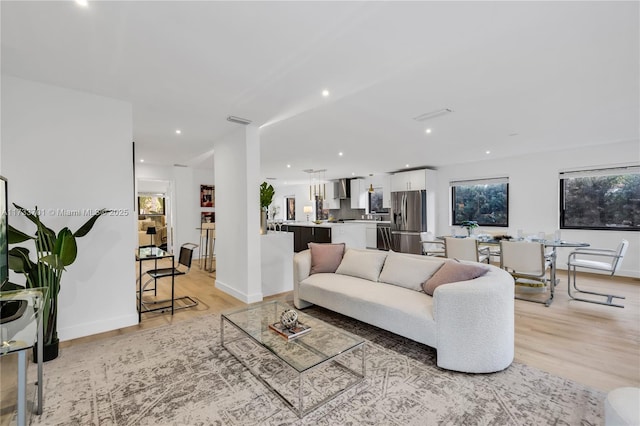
(485, 201)
(607, 199)
(375, 201)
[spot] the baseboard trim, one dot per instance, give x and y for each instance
(246, 298)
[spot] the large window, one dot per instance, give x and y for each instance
(606, 199)
(485, 201)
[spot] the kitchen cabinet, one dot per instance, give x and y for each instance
(409, 181)
(303, 235)
(358, 194)
(372, 235)
(329, 201)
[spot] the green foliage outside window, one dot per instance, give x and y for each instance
(486, 204)
(601, 202)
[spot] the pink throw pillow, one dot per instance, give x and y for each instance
(452, 272)
(325, 257)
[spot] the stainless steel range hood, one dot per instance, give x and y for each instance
(342, 189)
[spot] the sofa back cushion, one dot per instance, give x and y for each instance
(325, 257)
(408, 271)
(453, 271)
(365, 264)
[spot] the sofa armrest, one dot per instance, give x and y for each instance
(301, 269)
(475, 323)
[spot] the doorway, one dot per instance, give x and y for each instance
(155, 213)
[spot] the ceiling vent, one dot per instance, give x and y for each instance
(179, 165)
(238, 120)
(433, 114)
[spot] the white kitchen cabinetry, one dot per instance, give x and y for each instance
(358, 194)
(330, 202)
(372, 235)
(409, 181)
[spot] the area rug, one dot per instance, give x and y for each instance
(179, 374)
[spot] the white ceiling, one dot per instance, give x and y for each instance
(555, 74)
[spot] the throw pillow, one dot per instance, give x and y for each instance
(452, 272)
(325, 257)
(365, 264)
(408, 271)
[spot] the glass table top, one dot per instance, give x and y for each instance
(322, 343)
(151, 253)
(20, 311)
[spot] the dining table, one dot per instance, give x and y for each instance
(552, 255)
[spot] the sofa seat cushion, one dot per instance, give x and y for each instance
(408, 271)
(396, 309)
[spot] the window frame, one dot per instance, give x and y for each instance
(591, 173)
(473, 182)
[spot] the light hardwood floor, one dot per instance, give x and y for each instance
(598, 346)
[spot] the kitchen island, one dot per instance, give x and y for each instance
(351, 233)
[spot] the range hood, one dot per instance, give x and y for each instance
(342, 189)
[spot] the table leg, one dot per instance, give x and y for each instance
(173, 280)
(140, 292)
(22, 387)
(40, 349)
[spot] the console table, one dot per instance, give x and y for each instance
(21, 329)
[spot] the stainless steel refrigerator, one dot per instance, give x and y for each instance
(408, 219)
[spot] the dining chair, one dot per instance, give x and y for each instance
(595, 259)
(184, 266)
(431, 246)
(465, 249)
(527, 263)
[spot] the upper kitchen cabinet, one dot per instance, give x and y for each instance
(411, 181)
(358, 194)
(331, 200)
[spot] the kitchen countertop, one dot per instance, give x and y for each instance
(334, 224)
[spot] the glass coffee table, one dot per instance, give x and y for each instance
(306, 371)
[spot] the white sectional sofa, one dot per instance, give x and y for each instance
(470, 323)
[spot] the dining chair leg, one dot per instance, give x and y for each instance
(571, 272)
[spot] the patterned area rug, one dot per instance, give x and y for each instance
(181, 375)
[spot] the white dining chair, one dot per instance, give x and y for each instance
(528, 265)
(431, 246)
(465, 249)
(595, 259)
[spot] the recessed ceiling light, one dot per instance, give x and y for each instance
(83, 3)
(487, 152)
(428, 130)
(142, 160)
(340, 154)
(325, 93)
(288, 166)
(353, 173)
(178, 131)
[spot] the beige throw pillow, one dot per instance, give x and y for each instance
(365, 264)
(453, 271)
(408, 271)
(325, 257)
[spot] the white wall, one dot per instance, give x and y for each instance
(237, 168)
(49, 137)
(534, 194)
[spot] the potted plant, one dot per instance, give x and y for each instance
(266, 197)
(54, 252)
(470, 225)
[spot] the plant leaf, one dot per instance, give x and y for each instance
(65, 247)
(16, 236)
(84, 229)
(53, 261)
(19, 260)
(33, 218)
